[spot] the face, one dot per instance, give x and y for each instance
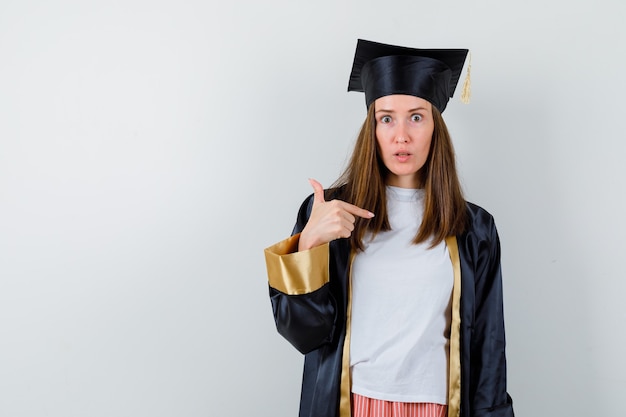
(404, 131)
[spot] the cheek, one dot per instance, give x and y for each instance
(379, 140)
(378, 134)
(427, 150)
(427, 139)
(427, 142)
(383, 136)
(383, 148)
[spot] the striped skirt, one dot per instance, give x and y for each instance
(369, 407)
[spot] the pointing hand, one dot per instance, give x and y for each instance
(329, 220)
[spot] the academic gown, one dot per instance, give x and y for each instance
(310, 297)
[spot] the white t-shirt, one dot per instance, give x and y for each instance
(401, 309)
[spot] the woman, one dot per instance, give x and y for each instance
(390, 283)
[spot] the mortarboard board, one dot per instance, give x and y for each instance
(380, 70)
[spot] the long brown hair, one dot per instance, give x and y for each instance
(363, 184)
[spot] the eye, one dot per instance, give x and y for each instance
(385, 119)
(416, 117)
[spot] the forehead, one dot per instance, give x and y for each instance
(400, 102)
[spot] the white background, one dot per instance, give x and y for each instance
(150, 150)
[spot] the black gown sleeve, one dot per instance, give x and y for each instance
(303, 306)
(487, 388)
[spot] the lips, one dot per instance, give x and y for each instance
(402, 156)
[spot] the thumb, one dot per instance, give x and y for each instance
(318, 191)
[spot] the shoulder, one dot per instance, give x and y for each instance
(479, 245)
(476, 212)
(480, 223)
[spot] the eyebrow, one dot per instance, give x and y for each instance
(393, 111)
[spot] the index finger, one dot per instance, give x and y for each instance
(357, 211)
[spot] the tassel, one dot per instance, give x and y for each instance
(467, 88)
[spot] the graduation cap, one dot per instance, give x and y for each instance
(432, 74)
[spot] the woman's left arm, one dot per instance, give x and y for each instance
(488, 360)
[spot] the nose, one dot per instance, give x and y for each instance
(402, 135)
